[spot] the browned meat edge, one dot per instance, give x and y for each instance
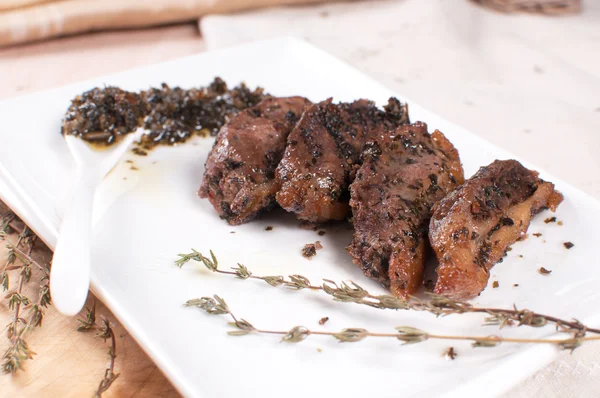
(473, 226)
(239, 178)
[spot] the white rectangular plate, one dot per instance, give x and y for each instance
(145, 217)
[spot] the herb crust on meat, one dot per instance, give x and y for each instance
(405, 172)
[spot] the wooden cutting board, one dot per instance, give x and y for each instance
(69, 363)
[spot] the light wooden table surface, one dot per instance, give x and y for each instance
(69, 363)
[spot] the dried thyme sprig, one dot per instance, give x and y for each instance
(408, 335)
(297, 282)
(436, 304)
(110, 376)
(88, 323)
(19, 261)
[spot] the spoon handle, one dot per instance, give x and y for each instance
(70, 273)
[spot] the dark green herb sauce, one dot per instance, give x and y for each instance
(170, 115)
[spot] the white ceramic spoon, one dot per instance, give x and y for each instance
(70, 272)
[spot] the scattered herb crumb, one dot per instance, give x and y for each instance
(139, 152)
(544, 271)
(232, 232)
(495, 284)
(559, 223)
(321, 233)
(319, 350)
(124, 178)
(323, 320)
(133, 167)
(450, 354)
(509, 249)
(537, 234)
(156, 161)
(310, 249)
(129, 161)
(516, 285)
(549, 220)
(269, 228)
(568, 245)
(520, 256)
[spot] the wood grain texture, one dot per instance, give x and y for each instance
(69, 363)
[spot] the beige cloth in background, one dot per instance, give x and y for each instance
(60, 18)
(24, 21)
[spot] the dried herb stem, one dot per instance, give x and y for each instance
(25, 273)
(437, 305)
(429, 336)
(110, 376)
(11, 252)
(217, 306)
(105, 332)
(29, 259)
(18, 351)
(20, 254)
(297, 282)
(19, 261)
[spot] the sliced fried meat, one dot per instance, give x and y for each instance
(473, 226)
(323, 154)
(405, 172)
(239, 179)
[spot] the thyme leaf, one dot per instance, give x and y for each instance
(406, 334)
(351, 292)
